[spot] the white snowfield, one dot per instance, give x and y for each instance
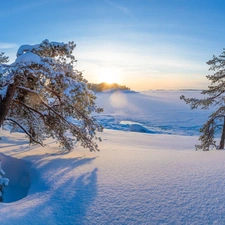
(136, 178)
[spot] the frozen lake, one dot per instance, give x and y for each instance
(159, 112)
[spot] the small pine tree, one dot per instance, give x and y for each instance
(215, 98)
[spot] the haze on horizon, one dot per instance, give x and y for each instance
(155, 44)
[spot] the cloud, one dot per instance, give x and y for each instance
(7, 45)
(123, 9)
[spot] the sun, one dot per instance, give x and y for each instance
(109, 75)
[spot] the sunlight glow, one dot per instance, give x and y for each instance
(109, 75)
(118, 100)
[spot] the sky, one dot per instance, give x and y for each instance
(143, 44)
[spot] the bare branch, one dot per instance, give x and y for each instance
(30, 108)
(30, 136)
(72, 126)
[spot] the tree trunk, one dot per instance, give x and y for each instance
(222, 136)
(6, 101)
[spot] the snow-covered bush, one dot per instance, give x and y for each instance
(3, 182)
(45, 96)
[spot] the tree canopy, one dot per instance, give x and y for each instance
(43, 94)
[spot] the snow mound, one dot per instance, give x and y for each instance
(17, 170)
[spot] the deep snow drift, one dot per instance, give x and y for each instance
(136, 178)
(18, 172)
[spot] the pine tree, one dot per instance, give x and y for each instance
(216, 99)
(45, 96)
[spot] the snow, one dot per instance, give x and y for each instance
(157, 111)
(26, 48)
(30, 48)
(3, 92)
(18, 175)
(136, 178)
(28, 57)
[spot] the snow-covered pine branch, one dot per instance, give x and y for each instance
(215, 98)
(3, 181)
(48, 97)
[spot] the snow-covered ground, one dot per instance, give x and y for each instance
(136, 178)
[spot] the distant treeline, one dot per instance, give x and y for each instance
(106, 87)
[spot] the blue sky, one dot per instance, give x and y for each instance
(144, 44)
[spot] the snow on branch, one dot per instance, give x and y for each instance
(215, 97)
(46, 94)
(4, 182)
